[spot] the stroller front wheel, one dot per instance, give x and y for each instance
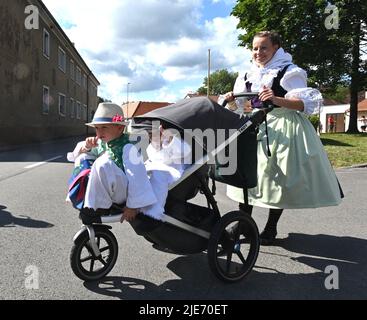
(233, 246)
(84, 262)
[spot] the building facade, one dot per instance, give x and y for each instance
(47, 90)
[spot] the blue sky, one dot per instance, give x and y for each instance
(160, 47)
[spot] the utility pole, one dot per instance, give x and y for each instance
(208, 86)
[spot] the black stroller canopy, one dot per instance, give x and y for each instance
(195, 113)
(201, 113)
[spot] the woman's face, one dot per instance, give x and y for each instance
(108, 132)
(263, 50)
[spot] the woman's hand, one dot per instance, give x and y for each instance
(229, 96)
(266, 94)
(128, 214)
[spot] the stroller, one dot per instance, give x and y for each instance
(231, 240)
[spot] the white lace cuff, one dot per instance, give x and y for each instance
(312, 99)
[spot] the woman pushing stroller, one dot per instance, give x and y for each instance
(297, 173)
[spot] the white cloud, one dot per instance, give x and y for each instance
(153, 44)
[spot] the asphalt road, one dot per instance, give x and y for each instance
(37, 227)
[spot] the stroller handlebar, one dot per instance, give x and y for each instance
(246, 94)
(267, 106)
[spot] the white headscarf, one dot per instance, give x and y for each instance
(264, 76)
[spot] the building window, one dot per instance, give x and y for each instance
(78, 76)
(78, 110)
(84, 81)
(46, 100)
(62, 104)
(46, 43)
(84, 112)
(72, 70)
(72, 108)
(62, 60)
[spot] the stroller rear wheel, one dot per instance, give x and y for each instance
(85, 264)
(233, 246)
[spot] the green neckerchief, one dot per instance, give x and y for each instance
(114, 149)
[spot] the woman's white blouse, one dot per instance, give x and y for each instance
(294, 82)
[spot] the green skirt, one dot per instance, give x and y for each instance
(298, 174)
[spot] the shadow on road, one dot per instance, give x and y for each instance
(349, 249)
(195, 281)
(8, 220)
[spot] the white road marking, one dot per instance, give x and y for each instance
(41, 163)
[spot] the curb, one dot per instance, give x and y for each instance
(356, 166)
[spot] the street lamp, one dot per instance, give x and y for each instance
(127, 99)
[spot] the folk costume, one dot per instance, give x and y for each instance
(118, 174)
(165, 165)
(298, 173)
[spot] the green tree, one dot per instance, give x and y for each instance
(327, 40)
(339, 94)
(221, 81)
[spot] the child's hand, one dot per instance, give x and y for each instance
(90, 143)
(128, 214)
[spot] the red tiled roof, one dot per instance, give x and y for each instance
(137, 108)
(362, 106)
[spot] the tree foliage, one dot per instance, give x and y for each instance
(221, 81)
(327, 40)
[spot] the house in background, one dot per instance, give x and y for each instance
(194, 95)
(47, 90)
(340, 113)
(337, 110)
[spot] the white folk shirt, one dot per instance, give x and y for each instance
(108, 184)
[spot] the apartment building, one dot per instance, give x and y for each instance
(47, 90)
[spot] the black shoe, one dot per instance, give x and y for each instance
(267, 237)
(90, 216)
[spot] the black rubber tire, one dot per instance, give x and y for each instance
(105, 238)
(243, 244)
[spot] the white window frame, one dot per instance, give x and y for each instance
(62, 59)
(64, 96)
(46, 44)
(72, 108)
(45, 101)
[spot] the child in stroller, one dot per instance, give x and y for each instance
(186, 227)
(168, 157)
